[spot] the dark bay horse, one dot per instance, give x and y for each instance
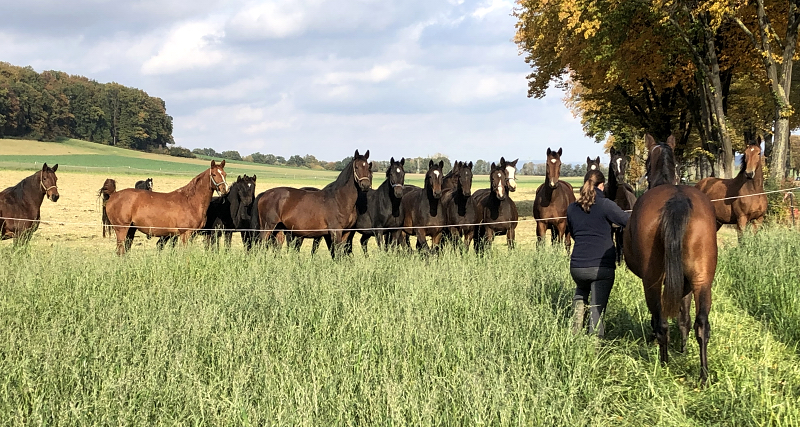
(552, 199)
(164, 214)
(230, 212)
(146, 184)
(671, 244)
(20, 205)
(620, 192)
(511, 173)
(592, 165)
(748, 182)
(382, 208)
(450, 179)
(459, 206)
(423, 211)
(326, 213)
(496, 212)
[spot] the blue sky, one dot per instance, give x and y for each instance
(400, 78)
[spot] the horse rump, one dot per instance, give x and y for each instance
(674, 219)
(109, 187)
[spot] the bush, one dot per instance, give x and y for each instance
(177, 151)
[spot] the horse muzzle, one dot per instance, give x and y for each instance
(398, 190)
(53, 197)
(553, 184)
(750, 174)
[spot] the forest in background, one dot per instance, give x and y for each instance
(54, 104)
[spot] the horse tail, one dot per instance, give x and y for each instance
(674, 218)
(252, 235)
(109, 188)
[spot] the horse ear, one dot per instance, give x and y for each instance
(430, 163)
(254, 178)
(44, 167)
(239, 178)
(588, 160)
(441, 164)
(356, 154)
(222, 165)
(502, 160)
(494, 166)
(391, 160)
(549, 151)
(366, 155)
(470, 164)
(560, 151)
(55, 167)
(370, 166)
(649, 142)
(403, 161)
(598, 160)
(514, 163)
(671, 141)
(213, 164)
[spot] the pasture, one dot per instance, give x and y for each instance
(188, 336)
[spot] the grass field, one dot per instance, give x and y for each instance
(187, 337)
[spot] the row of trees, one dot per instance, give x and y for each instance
(714, 73)
(53, 104)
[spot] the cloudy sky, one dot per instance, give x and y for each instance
(398, 77)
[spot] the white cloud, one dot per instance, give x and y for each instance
(188, 46)
(273, 19)
(494, 5)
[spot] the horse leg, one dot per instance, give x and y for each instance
(685, 320)
(541, 229)
(553, 234)
(228, 238)
(618, 233)
(436, 240)
(489, 237)
(659, 322)
(702, 297)
(510, 238)
(741, 225)
(562, 234)
(757, 224)
(422, 242)
(129, 238)
(365, 240)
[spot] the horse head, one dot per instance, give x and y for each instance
(362, 171)
(48, 180)
(465, 178)
(497, 180)
(396, 175)
(434, 178)
(553, 167)
(592, 165)
(218, 175)
(511, 173)
(752, 159)
(149, 183)
(618, 165)
(660, 163)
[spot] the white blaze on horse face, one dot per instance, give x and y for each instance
(436, 173)
(619, 164)
(552, 160)
(594, 167)
(398, 170)
(500, 187)
(512, 177)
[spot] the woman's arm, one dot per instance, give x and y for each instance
(615, 214)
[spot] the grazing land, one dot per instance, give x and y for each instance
(188, 336)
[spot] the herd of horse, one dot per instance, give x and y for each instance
(670, 241)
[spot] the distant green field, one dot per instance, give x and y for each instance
(103, 159)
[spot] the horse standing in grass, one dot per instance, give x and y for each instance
(164, 214)
(423, 211)
(671, 244)
(20, 205)
(109, 187)
(230, 212)
(552, 199)
(459, 206)
(620, 192)
(748, 186)
(592, 165)
(382, 208)
(146, 184)
(511, 173)
(326, 213)
(496, 212)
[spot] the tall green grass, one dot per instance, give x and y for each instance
(190, 337)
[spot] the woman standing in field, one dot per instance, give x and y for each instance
(593, 258)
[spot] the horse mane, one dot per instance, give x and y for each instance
(344, 177)
(667, 172)
(191, 187)
(18, 189)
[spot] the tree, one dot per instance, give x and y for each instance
(778, 70)
(280, 160)
(527, 168)
(231, 155)
(296, 161)
(340, 165)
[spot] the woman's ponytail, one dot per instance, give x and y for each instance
(592, 179)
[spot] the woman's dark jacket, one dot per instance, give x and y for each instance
(591, 231)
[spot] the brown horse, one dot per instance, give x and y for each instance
(326, 213)
(748, 185)
(21, 204)
(620, 192)
(109, 187)
(495, 210)
(180, 212)
(671, 244)
(552, 199)
(460, 210)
